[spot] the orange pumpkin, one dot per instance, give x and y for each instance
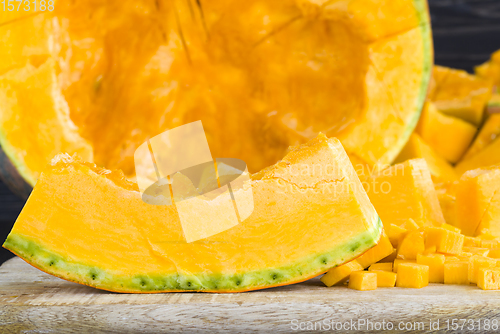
(98, 78)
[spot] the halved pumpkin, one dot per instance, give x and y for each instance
(89, 225)
(261, 75)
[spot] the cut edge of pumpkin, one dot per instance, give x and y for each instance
(296, 272)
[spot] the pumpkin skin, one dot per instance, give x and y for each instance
(267, 76)
(99, 232)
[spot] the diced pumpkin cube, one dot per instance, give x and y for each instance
(412, 275)
(385, 279)
(456, 272)
(464, 256)
(494, 253)
(397, 262)
(411, 245)
(453, 245)
(490, 244)
(477, 262)
(395, 234)
(476, 250)
(363, 280)
(412, 194)
(488, 278)
(451, 228)
(472, 242)
(387, 266)
(435, 262)
(378, 252)
(445, 241)
(341, 273)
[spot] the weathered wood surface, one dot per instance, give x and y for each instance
(34, 302)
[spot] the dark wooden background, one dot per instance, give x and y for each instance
(465, 33)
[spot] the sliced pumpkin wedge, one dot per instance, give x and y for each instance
(488, 133)
(488, 156)
(311, 213)
(260, 75)
(478, 198)
(449, 136)
(459, 94)
(405, 191)
(441, 170)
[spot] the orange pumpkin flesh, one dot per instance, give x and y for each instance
(459, 94)
(441, 170)
(300, 227)
(447, 135)
(261, 75)
(488, 133)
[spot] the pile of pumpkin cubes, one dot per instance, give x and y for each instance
(418, 246)
(440, 202)
(428, 255)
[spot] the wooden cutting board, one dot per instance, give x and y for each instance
(34, 302)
